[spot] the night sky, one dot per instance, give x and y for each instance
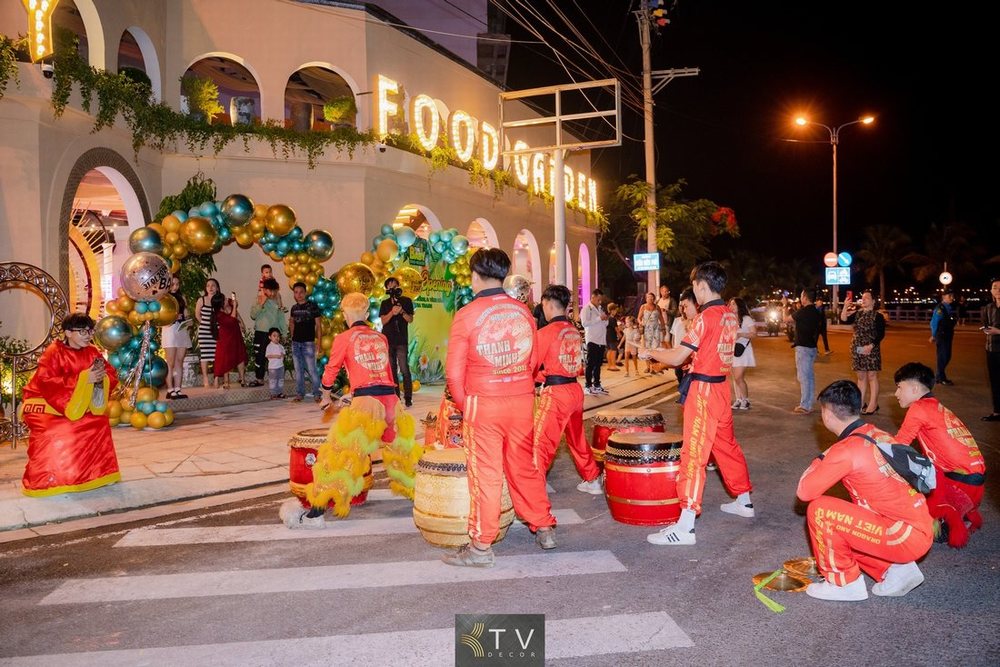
(926, 76)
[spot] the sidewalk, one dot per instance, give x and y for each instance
(216, 450)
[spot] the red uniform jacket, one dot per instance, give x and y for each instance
(945, 439)
(365, 352)
(866, 475)
(491, 348)
(559, 350)
(712, 337)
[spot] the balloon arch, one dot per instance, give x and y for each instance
(437, 266)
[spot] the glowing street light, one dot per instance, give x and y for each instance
(834, 140)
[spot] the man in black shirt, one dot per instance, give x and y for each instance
(808, 322)
(304, 325)
(396, 313)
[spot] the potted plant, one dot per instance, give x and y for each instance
(202, 96)
(340, 110)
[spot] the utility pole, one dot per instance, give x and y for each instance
(650, 11)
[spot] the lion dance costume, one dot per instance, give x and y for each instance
(70, 447)
(374, 418)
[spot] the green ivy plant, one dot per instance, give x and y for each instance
(10, 346)
(340, 109)
(202, 95)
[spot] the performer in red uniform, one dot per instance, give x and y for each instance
(371, 420)
(560, 408)
(886, 527)
(65, 401)
(489, 367)
(958, 463)
(708, 412)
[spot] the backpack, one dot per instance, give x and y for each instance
(911, 465)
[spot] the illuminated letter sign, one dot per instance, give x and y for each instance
(538, 172)
(422, 110)
(463, 135)
(386, 107)
(489, 146)
(39, 27)
(521, 163)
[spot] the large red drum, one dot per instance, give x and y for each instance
(606, 422)
(302, 450)
(640, 477)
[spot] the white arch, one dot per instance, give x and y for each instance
(95, 33)
(236, 59)
(364, 111)
(482, 234)
(133, 209)
(149, 58)
(583, 275)
(527, 262)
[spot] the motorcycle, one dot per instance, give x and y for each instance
(772, 321)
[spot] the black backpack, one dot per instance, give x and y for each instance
(911, 465)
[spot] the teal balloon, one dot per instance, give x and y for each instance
(141, 307)
(146, 407)
(386, 229)
(161, 406)
(208, 209)
(237, 210)
(145, 239)
(112, 332)
(152, 306)
(156, 374)
(405, 237)
(459, 244)
(319, 244)
(434, 237)
(180, 215)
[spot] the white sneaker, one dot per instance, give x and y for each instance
(738, 508)
(746, 404)
(594, 487)
(852, 592)
(737, 404)
(899, 580)
(293, 515)
(589, 391)
(672, 536)
(711, 467)
(601, 390)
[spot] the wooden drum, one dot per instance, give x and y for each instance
(607, 422)
(302, 450)
(640, 477)
(441, 499)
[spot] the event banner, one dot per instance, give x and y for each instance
(433, 310)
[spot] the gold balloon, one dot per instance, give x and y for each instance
(125, 303)
(198, 235)
(387, 250)
(171, 238)
(367, 258)
(280, 219)
(311, 280)
(410, 281)
(244, 238)
(158, 228)
(260, 211)
(175, 265)
(257, 226)
(111, 307)
(290, 269)
(171, 223)
(134, 318)
(167, 313)
(355, 277)
(180, 251)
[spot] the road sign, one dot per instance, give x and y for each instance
(844, 259)
(830, 259)
(838, 275)
(646, 261)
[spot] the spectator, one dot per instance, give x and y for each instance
(632, 336)
(688, 311)
(743, 357)
(943, 321)
(990, 317)
(275, 353)
(668, 306)
(396, 313)
(203, 316)
(175, 340)
(267, 315)
(866, 350)
(304, 325)
(230, 350)
(963, 310)
(821, 307)
(267, 273)
(595, 332)
(807, 321)
(611, 340)
(653, 326)
(539, 314)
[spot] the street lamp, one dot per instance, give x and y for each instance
(834, 140)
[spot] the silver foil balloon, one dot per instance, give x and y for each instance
(517, 287)
(145, 276)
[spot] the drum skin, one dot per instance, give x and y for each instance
(640, 477)
(607, 422)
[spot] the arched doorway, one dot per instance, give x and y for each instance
(481, 234)
(137, 59)
(82, 19)
(419, 218)
(318, 97)
(526, 261)
(569, 267)
(583, 275)
(238, 91)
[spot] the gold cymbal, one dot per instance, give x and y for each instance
(789, 583)
(802, 567)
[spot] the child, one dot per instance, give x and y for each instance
(632, 336)
(275, 354)
(266, 273)
(946, 441)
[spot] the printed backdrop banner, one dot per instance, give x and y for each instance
(433, 310)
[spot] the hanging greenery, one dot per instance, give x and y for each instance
(202, 96)
(11, 51)
(340, 109)
(195, 269)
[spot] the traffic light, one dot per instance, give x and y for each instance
(659, 13)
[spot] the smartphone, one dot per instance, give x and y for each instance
(849, 296)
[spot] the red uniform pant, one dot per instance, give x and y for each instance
(499, 442)
(953, 502)
(708, 432)
(560, 410)
(847, 538)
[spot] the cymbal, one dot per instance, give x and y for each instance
(802, 567)
(789, 583)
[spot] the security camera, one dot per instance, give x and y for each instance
(48, 71)
(381, 147)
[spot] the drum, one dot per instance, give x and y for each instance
(441, 499)
(640, 477)
(607, 422)
(302, 450)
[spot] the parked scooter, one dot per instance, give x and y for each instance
(772, 321)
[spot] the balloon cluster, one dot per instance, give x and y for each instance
(149, 411)
(116, 335)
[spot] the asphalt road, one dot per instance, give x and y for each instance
(240, 592)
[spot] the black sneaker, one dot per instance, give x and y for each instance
(409, 404)
(179, 394)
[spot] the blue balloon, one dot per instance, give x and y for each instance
(180, 215)
(194, 212)
(141, 307)
(151, 306)
(208, 209)
(161, 406)
(237, 209)
(386, 229)
(147, 408)
(405, 237)
(282, 247)
(435, 237)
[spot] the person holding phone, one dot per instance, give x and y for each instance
(866, 350)
(990, 314)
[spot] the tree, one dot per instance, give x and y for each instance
(952, 244)
(884, 247)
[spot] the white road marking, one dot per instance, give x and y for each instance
(564, 638)
(163, 537)
(331, 577)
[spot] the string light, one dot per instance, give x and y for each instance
(463, 143)
(421, 104)
(489, 146)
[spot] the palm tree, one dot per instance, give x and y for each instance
(952, 244)
(884, 247)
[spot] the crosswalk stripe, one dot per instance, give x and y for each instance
(331, 577)
(564, 638)
(161, 537)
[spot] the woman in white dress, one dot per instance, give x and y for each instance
(743, 354)
(175, 341)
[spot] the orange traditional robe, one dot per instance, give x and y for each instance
(69, 446)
